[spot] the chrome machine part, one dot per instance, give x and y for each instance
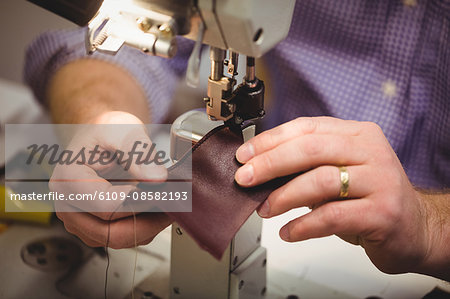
(217, 57)
(244, 103)
(194, 273)
(193, 68)
(220, 88)
(249, 27)
(250, 76)
(241, 273)
(139, 24)
(247, 99)
(232, 64)
(187, 130)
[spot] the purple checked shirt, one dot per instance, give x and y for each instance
(381, 61)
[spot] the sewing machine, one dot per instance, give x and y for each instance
(230, 28)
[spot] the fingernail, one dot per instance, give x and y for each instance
(245, 152)
(154, 173)
(284, 233)
(244, 175)
(264, 210)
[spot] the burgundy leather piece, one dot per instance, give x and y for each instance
(219, 205)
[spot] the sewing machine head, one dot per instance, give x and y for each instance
(230, 27)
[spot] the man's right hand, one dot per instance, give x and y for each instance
(91, 91)
(88, 178)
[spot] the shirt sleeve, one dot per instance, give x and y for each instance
(157, 76)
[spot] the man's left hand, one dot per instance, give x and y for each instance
(383, 212)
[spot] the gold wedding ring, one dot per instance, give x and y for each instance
(343, 174)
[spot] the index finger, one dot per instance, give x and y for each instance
(87, 189)
(292, 129)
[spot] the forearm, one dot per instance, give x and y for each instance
(437, 212)
(83, 90)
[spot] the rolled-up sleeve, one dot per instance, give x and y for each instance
(157, 76)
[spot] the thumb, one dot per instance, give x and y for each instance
(143, 161)
(134, 152)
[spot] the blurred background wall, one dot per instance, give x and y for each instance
(20, 23)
